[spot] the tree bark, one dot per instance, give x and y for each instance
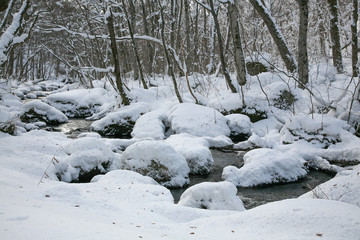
(335, 36)
(276, 34)
(240, 65)
(303, 61)
(168, 59)
(221, 48)
(114, 52)
(354, 37)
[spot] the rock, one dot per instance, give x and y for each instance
(158, 160)
(265, 166)
(195, 150)
(120, 124)
(150, 125)
(198, 121)
(212, 196)
(36, 111)
(240, 127)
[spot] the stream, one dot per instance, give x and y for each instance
(252, 196)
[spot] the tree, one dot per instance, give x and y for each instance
(303, 62)
(335, 35)
(354, 38)
(276, 34)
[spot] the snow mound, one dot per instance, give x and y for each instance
(321, 131)
(88, 156)
(37, 110)
(195, 150)
(198, 121)
(344, 187)
(150, 125)
(240, 125)
(120, 123)
(212, 196)
(265, 166)
(79, 102)
(158, 160)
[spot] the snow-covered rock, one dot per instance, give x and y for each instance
(344, 187)
(121, 122)
(240, 126)
(150, 125)
(195, 150)
(265, 166)
(198, 121)
(322, 131)
(79, 102)
(212, 196)
(88, 156)
(158, 160)
(37, 110)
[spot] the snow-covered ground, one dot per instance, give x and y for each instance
(170, 140)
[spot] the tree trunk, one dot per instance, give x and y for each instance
(221, 48)
(276, 34)
(150, 53)
(188, 53)
(240, 65)
(354, 37)
(335, 36)
(303, 62)
(168, 59)
(134, 46)
(114, 52)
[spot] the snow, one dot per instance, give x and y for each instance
(212, 196)
(44, 112)
(158, 160)
(80, 102)
(198, 121)
(239, 124)
(195, 150)
(265, 166)
(345, 187)
(150, 125)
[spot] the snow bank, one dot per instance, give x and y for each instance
(195, 150)
(345, 187)
(240, 126)
(321, 131)
(212, 196)
(198, 121)
(80, 102)
(121, 122)
(265, 166)
(150, 125)
(88, 156)
(36, 111)
(158, 160)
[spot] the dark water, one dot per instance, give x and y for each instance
(251, 197)
(73, 127)
(256, 196)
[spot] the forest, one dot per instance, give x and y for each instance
(179, 119)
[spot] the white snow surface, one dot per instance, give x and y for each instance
(265, 166)
(80, 101)
(198, 121)
(158, 160)
(48, 112)
(239, 123)
(212, 196)
(345, 187)
(195, 150)
(150, 125)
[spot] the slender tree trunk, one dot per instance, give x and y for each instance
(303, 62)
(188, 33)
(134, 46)
(150, 53)
(221, 48)
(114, 51)
(335, 35)
(354, 37)
(168, 59)
(276, 34)
(240, 65)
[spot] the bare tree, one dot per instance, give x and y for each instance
(335, 35)
(354, 38)
(303, 62)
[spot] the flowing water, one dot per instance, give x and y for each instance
(255, 196)
(252, 197)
